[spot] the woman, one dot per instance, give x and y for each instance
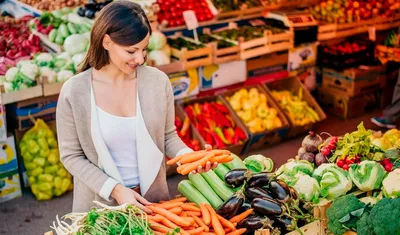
(115, 119)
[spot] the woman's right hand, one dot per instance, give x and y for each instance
(124, 195)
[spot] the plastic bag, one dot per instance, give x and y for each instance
(46, 174)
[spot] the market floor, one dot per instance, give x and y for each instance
(26, 216)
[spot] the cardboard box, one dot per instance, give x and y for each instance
(184, 83)
(8, 156)
(346, 106)
(265, 138)
(216, 76)
(355, 81)
(23, 118)
(302, 57)
(293, 84)
(10, 186)
(3, 124)
(235, 148)
(267, 64)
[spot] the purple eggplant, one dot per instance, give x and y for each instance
(280, 190)
(284, 223)
(268, 207)
(254, 222)
(237, 177)
(246, 205)
(232, 205)
(256, 192)
(259, 180)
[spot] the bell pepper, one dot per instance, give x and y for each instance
(185, 127)
(221, 107)
(208, 109)
(197, 108)
(220, 134)
(221, 120)
(178, 123)
(218, 141)
(208, 137)
(190, 112)
(201, 120)
(229, 134)
(240, 133)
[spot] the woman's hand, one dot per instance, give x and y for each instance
(208, 167)
(124, 195)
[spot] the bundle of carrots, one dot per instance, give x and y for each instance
(180, 217)
(191, 161)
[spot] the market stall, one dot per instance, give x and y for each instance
(245, 75)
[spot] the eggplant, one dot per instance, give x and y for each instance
(284, 223)
(231, 206)
(236, 177)
(246, 205)
(81, 11)
(259, 180)
(90, 13)
(254, 222)
(280, 190)
(256, 192)
(268, 207)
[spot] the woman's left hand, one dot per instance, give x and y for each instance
(209, 166)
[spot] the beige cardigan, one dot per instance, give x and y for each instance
(85, 155)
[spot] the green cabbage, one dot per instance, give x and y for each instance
(306, 186)
(157, 41)
(391, 184)
(293, 167)
(367, 176)
(75, 44)
(333, 180)
(258, 163)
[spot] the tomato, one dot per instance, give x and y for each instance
(178, 5)
(172, 23)
(202, 17)
(204, 4)
(209, 16)
(190, 6)
(340, 163)
(346, 167)
(174, 14)
(180, 22)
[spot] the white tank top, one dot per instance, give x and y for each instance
(119, 134)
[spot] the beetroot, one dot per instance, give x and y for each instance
(311, 142)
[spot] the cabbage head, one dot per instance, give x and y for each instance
(391, 184)
(334, 181)
(75, 44)
(293, 167)
(306, 186)
(258, 163)
(157, 41)
(367, 176)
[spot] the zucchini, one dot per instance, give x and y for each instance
(201, 184)
(191, 193)
(236, 163)
(221, 171)
(218, 185)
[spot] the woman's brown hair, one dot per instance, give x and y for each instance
(126, 24)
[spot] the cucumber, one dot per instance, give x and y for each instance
(191, 193)
(221, 171)
(53, 35)
(71, 28)
(218, 185)
(202, 186)
(63, 30)
(236, 163)
(59, 39)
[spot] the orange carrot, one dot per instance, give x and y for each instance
(176, 210)
(171, 216)
(225, 222)
(191, 203)
(184, 214)
(195, 231)
(207, 233)
(227, 159)
(219, 152)
(205, 213)
(175, 160)
(201, 223)
(179, 199)
(192, 213)
(242, 216)
(183, 232)
(169, 205)
(219, 230)
(166, 221)
(153, 218)
(158, 233)
(194, 165)
(220, 158)
(188, 207)
(237, 232)
(158, 227)
(194, 157)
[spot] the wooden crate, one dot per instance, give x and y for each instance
(51, 46)
(386, 54)
(223, 55)
(192, 58)
(24, 94)
(247, 12)
(328, 31)
(353, 82)
(313, 228)
(50, 89)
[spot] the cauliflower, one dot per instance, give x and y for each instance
(65, 56)
(49, 73)
(44, 59)
(30, 70)
(8, 87)
(64, 75)
(306, 186)
(391, 184)
(293, 167)
(11, 73)
(24, 62)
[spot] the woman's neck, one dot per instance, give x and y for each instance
(113, 74)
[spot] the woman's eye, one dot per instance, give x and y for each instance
(131, 52)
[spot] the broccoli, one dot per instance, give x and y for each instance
(385, 217)
(344, 213)
(364, 227)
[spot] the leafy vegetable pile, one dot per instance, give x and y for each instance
(47, 175)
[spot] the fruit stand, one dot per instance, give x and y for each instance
(250, 75)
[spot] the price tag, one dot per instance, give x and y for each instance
(190, 19)
(372, 33)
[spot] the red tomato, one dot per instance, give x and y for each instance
(209, 16)
(201, 17)
(172, 23)
(190, 6)
(178, 5)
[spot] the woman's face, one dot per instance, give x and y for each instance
(126, 59)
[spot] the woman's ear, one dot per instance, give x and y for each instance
(107, 42)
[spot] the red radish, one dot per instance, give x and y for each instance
(346, 166)
(340, 163)
(349, 161)
(386, 161)
(325, 151)
(388, 167)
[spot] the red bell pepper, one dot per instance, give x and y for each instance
(221, 120)
(220, 107)
(240, 133)
(217, 140)
(208, 137)
(229, 134)
(208, 109)
(185, 126)
(190, 112)
(220, 134)
(202, 120)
